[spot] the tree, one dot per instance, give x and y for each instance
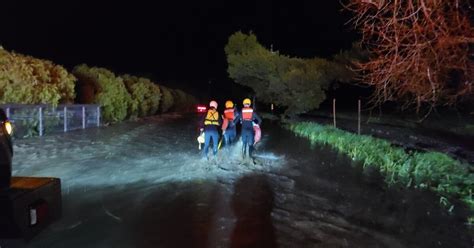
(420, 50)
(295, 83)
(145, 95)
(101, 86)
(167, 100)
(28, 80)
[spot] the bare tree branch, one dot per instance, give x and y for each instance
(421, 50)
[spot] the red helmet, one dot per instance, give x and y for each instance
(213, 104)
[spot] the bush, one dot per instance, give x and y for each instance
(28, 80)
(431, 170)
(167, 99)
(101, 86)
(145, 95)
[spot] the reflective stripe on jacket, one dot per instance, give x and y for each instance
(247, 114)
(212, 118)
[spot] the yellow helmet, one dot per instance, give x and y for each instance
(229, 104)
(247, 101)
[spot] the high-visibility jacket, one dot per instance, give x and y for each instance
(247, 117)
(212, 118)
(247, 114)
(229, 114)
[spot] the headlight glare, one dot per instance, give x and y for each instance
(8, 127)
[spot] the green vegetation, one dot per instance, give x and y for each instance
(432, 170)
(101, 86)
(145, 95)
(27, 123)
(167, 100)
(294, 83)
(127, 96)
(27, 80)
(28, 126)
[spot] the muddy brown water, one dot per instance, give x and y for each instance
(130, 185)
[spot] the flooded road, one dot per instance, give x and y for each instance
(143, 184)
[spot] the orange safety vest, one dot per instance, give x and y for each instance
(229, 114)
(212, 117)
(247, 114)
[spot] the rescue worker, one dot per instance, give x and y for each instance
(210, 125)
(247, 117)
(229, 129)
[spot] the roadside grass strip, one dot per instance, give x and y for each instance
(435, 171)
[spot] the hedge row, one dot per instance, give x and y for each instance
(28, 80)
(127, 96)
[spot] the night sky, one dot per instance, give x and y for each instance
(169, 40)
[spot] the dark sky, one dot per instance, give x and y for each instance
(171, 40)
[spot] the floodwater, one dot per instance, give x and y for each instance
(144, 184)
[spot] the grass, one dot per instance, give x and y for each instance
(431, 170)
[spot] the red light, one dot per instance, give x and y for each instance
(201, 109)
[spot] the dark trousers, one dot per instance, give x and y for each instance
(229, 136)
(214, 136)
(247, 140)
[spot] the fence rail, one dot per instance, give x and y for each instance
(30, 120)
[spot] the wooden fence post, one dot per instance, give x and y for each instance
(358, 118)
(334, 110)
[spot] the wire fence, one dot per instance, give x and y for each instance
(33, 120)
